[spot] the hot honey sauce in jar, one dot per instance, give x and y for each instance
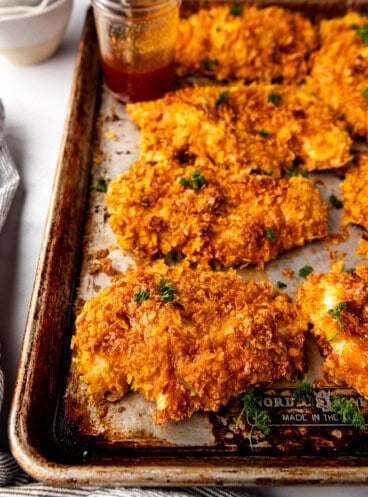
(138, 86)
(137, 42)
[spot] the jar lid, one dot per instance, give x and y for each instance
(126, 7)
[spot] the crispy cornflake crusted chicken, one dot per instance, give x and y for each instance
(186, 340)
(245, 43)
(339, 70)
(212, 215)
(336, 304)
(265, 128)
(355, 193)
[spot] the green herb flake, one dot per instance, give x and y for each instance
(349, 412)
(292, 171)
(166, 290)
(349, 270)
(223, 96)
(363, 33)
(196, 181)
(236, 10)
(264, 133)
(270, 234)
(184, 182)
(172, 256)
(281, 285)
(208, 64)
(302, 392)
(305, 270)
(335, 202)
(295, 171)
(336, 314)
(101, 184)
(257, 418)
(141, 296)
(274, 98)
(365, 92)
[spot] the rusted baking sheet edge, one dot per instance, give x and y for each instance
(31, 427)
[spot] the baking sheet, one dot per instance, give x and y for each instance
(76, 445)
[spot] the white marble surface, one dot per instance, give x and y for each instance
(36, 100)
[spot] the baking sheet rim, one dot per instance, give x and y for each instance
(216, 470)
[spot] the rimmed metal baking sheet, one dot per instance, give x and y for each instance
(73, 444)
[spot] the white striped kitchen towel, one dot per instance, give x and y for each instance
(20, 488)
(9, 177)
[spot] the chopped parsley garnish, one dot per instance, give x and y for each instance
(365, 92)
(335, 202)
(270, 234)
(196, 181)
(166, 290)
(209, 63)
(292, 171)
(305, 270)
(349, 412)
(236, 10)
(257, 418)
(274, 98)
(223, 96)
(363, 33)
(295, 171)
(101, 185)
(264, 133)
(349, 270)
(281, 285)
(184, 182)
(141, 296)
(302, 392)
(172, 256)
(336, 314)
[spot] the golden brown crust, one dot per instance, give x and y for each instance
(217, 337)
(258, 127)
(257, 45)
(336, 304)
(339, 70)
(355, 193)
(233, 219)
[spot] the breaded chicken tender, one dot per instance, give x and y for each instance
(186, 340)
(355, 193)
(336, 304)
(212, 215)
(265, 128)
(339, 70)
(247, 44)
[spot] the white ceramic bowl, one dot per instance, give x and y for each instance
(33, 36)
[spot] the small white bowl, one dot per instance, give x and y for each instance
(33, 36)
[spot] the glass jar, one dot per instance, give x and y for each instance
(137, 42)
